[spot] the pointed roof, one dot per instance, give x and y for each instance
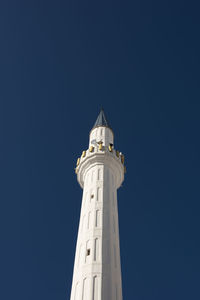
(101, 120)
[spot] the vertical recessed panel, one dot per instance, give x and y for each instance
(99, 174)
(77, 292)
(89, 220)
(107, 177)
(113, 198)
(113, 224)
(96, 249)
(112, 180)
(97, 221)
(86, 290)
(96, 290)
(115, 258)
(99, 194)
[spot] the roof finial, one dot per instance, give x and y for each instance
(101, 120)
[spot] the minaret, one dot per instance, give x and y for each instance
(100, 172)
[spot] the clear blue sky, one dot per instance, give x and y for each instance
(60, 62)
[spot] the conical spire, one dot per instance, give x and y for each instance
(101, 120)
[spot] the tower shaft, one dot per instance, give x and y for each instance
(97, 270)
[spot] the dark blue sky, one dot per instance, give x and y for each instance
(60, 62)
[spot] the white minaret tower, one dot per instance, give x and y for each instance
(100, 172)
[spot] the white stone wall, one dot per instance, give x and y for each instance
(103, 134)
(97, 270)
